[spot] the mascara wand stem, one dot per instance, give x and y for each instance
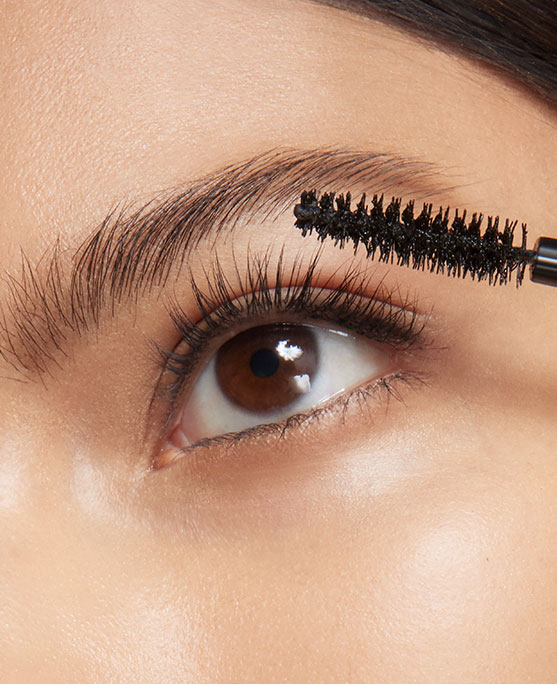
(543, 267)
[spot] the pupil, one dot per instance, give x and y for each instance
(264, 363)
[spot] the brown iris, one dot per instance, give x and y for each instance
(266, 368)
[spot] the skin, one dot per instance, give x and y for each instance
(412, 543)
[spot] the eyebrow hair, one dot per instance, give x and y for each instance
(50, 304)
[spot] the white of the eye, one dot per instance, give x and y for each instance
(344, 363)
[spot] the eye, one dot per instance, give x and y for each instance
(270, 372)
(309, 343)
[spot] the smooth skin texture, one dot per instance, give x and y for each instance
(413, 543)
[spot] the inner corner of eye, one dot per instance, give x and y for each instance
(267, 373)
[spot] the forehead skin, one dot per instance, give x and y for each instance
(430, 558)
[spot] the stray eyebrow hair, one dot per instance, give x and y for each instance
(52, 303)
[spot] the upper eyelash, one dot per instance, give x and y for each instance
(298, 290)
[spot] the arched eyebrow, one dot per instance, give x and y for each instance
(49, 306)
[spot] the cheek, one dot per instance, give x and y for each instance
(448, 577)
(455, 572)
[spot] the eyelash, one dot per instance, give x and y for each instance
(300, 293)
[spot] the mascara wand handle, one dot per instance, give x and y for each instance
(544, 266)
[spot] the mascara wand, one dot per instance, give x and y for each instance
(427, 242)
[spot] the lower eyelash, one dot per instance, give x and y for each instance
(385, 389)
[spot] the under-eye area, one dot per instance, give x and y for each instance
(280, 346)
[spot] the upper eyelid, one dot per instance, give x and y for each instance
(322, 301)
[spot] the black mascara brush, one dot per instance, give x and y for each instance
(427, 241)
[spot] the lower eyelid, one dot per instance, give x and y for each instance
(366, 399)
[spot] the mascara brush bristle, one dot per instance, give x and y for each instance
(428, 241)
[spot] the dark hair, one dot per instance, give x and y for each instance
(516, 37)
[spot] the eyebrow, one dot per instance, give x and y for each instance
(51, 304)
